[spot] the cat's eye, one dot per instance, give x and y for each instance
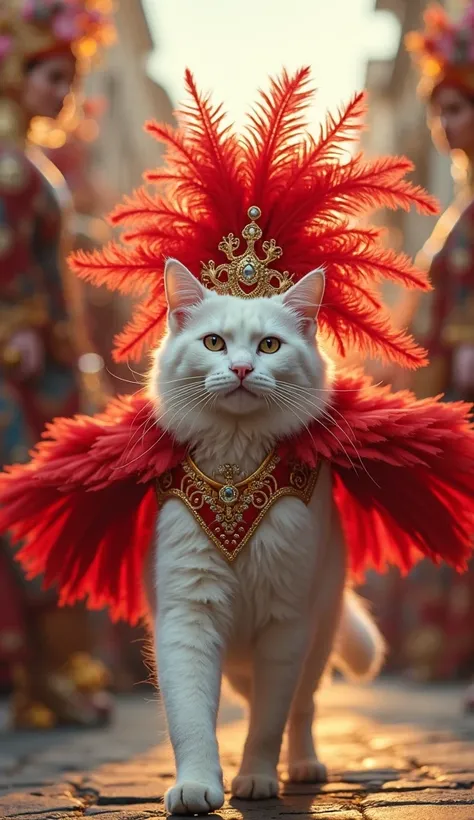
(214, 342)
(269, 345)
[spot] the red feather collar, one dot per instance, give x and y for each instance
(85, 506)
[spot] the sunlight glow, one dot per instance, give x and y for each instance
(232, 47)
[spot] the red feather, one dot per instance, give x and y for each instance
(143, 331)
(307, 190)
(117, 267)
(360, 322)
(275, 124)
(334, 135)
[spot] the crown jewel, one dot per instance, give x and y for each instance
(247, 275)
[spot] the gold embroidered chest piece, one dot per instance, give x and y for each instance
(230, 511)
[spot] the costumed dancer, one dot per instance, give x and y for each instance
(269, 472)
(69, 144)
(433, 609)
(43, 46)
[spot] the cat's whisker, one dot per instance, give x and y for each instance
(148, 426)
(126, 381)
(325, 411)
(310, 390)
(146, 407)
(278, 400)
(173, 405)
(318, 420)
(326, 389)
(321, 405)
(141, 455)
(181, 408)
(136, 373)
(181, 379)
(291, 403)
(178, 391)
(209, 398)
(206, 398)
(156, 419)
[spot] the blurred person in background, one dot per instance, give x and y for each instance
(68, 142)
(429, 617)
(44, 44)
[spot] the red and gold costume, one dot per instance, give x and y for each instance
(248, 214)
(33, 631)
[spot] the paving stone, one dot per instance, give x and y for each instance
(141, 792)
(411, 784)
(457, 778)
(135, 813)
(49, 814)
(370, 775)
(453, 756)
(418, 812)
(335, 787)
(45, 800)
(433, 797)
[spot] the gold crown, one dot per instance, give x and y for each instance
(247, 275)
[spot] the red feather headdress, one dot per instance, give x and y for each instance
(308, 191)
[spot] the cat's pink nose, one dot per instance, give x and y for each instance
(241, 370)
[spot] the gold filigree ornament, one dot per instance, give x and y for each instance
(247, 275)
(229, 512)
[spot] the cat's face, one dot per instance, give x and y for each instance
(231, 358)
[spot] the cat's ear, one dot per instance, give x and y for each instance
(183, 291)
(306, 296)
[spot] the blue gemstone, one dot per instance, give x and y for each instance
(254, 212)
(249, 271)
(229, 492)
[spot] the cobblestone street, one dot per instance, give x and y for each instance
(394, 751)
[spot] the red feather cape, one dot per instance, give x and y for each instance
(85, 506)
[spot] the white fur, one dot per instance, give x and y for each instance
(268, 621)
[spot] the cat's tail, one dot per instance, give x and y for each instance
(359, 650)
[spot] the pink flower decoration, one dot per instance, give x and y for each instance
(69, 19)
(445, 46)
(28, 11)
(65, 26)
(468, 18)
(5, 45)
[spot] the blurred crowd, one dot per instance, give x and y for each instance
(61, 665)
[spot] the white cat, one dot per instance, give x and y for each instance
(230, 379)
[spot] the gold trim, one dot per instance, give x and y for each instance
(216, 485)
(164, 490)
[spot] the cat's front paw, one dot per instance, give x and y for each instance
(190, 797)
(310, 770)
(255, 786)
